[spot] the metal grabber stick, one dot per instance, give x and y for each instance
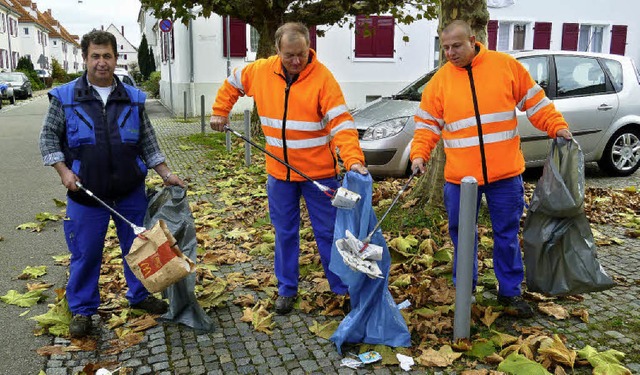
(366, 241)
(342, 198)
(136, 229)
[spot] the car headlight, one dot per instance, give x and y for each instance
(385, 129)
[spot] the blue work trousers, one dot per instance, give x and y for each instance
(505, 200)
(85, 231)
(284, 210)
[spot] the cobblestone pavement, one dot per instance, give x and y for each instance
(235, 348)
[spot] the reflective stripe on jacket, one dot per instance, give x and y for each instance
(447, 110)
(303, 124)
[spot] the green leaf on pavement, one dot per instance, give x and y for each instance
(607, 362)
(27, 299)
(59, 203)
(324, 330)
(519, 365)
(44, 216)
(34, 227)
(33, 272)
(57, 319)
(481, 349)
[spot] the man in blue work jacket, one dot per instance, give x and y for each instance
(97, 132)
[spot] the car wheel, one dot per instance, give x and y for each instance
(12, 100)
(621, 157)
(30, 93)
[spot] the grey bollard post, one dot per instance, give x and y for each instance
(247, 133)
(228, 139)
(464, 257)
(184, 96)
(202, 114)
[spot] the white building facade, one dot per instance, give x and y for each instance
(193, 62)
(127, 52)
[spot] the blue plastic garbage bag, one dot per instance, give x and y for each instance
(374, 316)
(171, 205)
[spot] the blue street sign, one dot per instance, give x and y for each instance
(166, 25)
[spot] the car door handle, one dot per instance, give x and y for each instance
(604, 107)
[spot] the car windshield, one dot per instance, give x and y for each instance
(414, 90)
(9, 77)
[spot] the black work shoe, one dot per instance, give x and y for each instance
(516, 306)
(152, 305)
(80, 326)
(284, 304)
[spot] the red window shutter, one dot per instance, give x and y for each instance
(384, 36)
(374, 36)
(570, 36)
(312, 38)
(618, 39)
(492, 34)
(238, 37)
(542, 35)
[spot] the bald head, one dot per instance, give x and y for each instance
(458, 44)
(458, 26)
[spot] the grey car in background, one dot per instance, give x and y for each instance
(598, 94)
(19, 82)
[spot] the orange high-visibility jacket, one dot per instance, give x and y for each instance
(447, 111)
(302, 125)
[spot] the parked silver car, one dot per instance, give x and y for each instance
(19, 82)
(598, 94)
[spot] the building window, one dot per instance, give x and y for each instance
(519, 32)
(3, 58)
(237, 37)
(55, 42)
(590, 38)
(122, 46)
(254, 38)
(124, 56)
(3, 23)
(509, 36)
(26, 31)
(374, 36)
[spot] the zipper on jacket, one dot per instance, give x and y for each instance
(483, 157)
(82, 118)
(289, 82)
(126, 117)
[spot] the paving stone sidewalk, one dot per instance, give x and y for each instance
(235, 348)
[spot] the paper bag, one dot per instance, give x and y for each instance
(156, 260)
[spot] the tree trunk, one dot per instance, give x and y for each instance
(429, 189)
(266, 48)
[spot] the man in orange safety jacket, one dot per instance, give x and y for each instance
(304, 119)
(470, 103)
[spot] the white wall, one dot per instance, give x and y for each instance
(362, 77)
(597, 12)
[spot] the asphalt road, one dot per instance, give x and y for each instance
(26, 188)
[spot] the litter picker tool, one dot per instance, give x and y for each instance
(362, 256)
(136, 229)
(341, 198)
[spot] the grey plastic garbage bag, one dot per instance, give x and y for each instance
(559, 250)
(171, 205)
(374, 316)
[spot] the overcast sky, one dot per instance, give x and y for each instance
(81, 16)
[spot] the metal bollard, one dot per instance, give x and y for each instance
(202, 114)
(184, 96)
(247, 133)
(228, 139)
(464, 257)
